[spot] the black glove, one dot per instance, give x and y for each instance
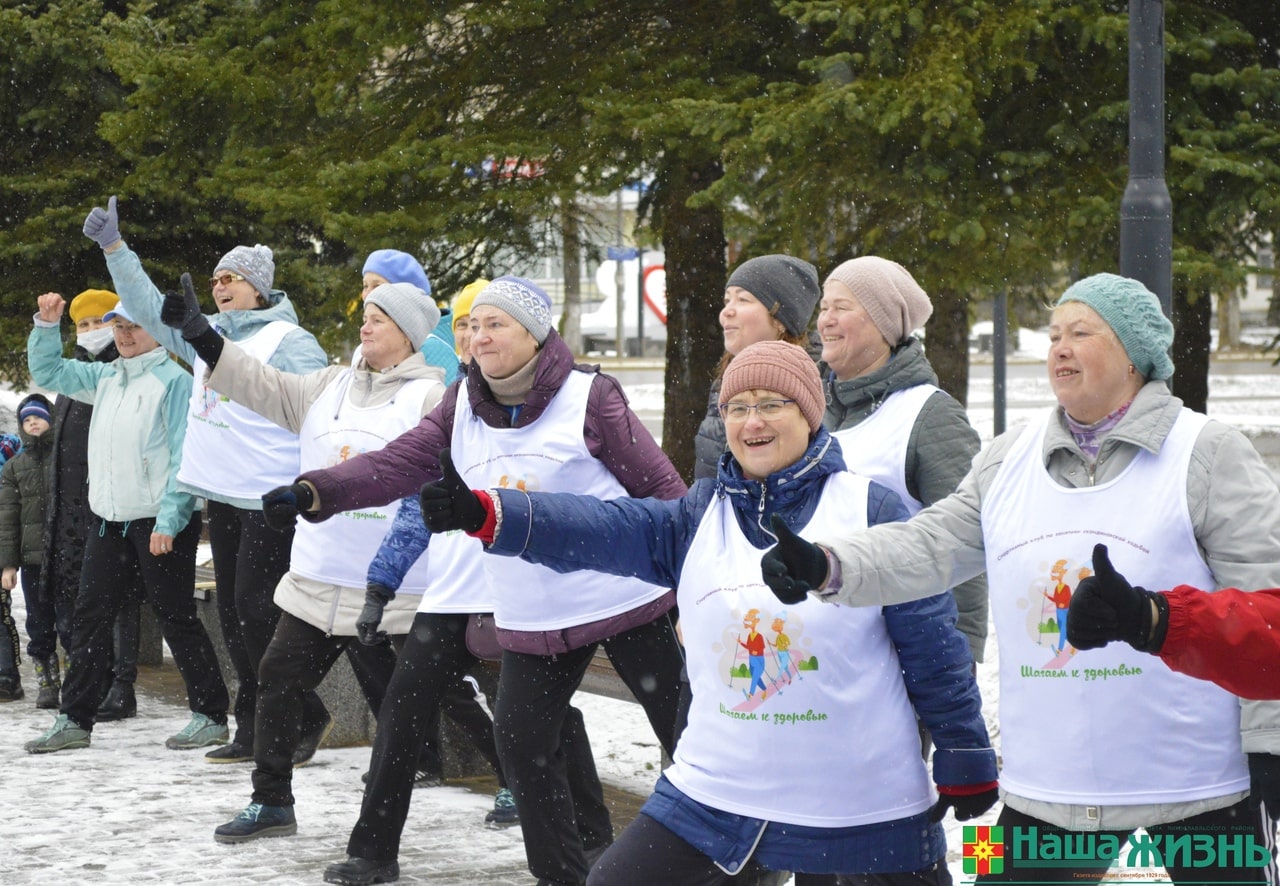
(376, 598)
(181, 311)
(281, 506)
(1106, 607)
(793, 567)
(966, 806)
(448, 503)
(1264, 780)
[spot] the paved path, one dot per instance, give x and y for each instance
(127, 810)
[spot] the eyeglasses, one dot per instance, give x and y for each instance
(768, 410)
(226, 279)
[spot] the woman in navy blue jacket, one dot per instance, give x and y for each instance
(799, 752)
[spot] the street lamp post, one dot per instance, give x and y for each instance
(1146, 211)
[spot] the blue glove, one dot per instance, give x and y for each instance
(376, 598)
(281, 506)
(102, 226)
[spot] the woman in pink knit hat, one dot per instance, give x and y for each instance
(765, 773)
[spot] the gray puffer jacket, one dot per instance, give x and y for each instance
(938, 455)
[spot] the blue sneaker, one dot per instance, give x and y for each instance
(199, 733)
(63, 735)
(258, 821)
(503, 814)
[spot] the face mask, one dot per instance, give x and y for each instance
(95, 341)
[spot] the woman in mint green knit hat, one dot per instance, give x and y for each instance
(1096, 740)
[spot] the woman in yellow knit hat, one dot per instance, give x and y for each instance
(461, 307)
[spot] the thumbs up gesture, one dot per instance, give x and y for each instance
(1106, 607)
(793, 567)
(448, 503)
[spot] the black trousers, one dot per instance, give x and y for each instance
(1246, 819)
(297, 660)
(116, 557)
(544, 748)
(433, 661)
(249, 559)
(65, 563)
(42, 636)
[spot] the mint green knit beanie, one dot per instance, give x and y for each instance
(1134, 315)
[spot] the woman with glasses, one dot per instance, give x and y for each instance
(144, 529)
(805, 762)
(231, 454)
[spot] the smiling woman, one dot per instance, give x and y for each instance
(767, 298)
(1179, 499)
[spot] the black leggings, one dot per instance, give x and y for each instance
(116, 556)
(249, 559)
(546, 754)
(432, 661)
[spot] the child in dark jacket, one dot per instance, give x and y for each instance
(23, 481)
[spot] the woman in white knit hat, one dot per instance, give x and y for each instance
(524, 416)
(335, 411)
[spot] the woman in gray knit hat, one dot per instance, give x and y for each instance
(767, 298)
(230, 455)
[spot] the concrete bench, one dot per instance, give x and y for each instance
(354, 723)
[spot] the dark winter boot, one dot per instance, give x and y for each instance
(11, 687)
(120, 703)
(50, 681)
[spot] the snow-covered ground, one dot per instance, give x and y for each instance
(127, 810)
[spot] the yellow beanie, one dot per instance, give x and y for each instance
(461, 305)
(92, 303)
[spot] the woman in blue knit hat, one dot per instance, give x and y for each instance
(1097, 743)
(393, 266)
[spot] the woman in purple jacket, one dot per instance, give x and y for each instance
(525, 417)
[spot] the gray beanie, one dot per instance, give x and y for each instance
(409, 307)
(888, 293)
(255, 263)
(787, 286)
(523, 299)
(1134, 315)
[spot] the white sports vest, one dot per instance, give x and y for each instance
(1108, 726)
(548, 455)
(229, 449)
(456, 579)
(876, 447)
(338, 550)
(834, 706)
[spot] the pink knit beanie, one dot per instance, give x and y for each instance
(890, 295)
(777, 366)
